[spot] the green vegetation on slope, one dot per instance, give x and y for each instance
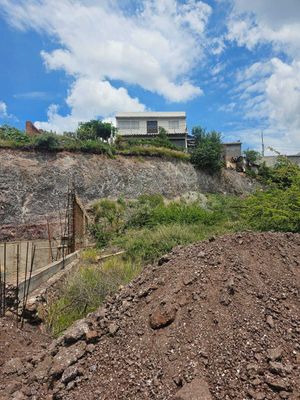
(91, 137)
(148, 227)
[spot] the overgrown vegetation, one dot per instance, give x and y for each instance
(207, 153)
(85, 290)
(92, 137)
(150, 226)
(278, 206)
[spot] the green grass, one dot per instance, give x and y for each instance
(86, 289)
(149, 244)
(153, 151)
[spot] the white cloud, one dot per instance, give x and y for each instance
(3, 110)
(256, 22)
(31, 95)
(156, 46)
(86, 98)
(269, 90)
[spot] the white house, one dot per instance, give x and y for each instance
(146, 125)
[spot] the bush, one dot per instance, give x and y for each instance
(13, 135)
(95, 130)
(207, 153)
(278, 207)
(48, 142)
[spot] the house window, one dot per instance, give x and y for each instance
(128, 124)
(152, 127)
(174, 124)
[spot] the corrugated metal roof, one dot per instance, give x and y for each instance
(152, 114)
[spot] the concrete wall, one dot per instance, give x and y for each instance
(42, 257)
(271, 160)
(44, 274)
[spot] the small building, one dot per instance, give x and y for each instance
(145, 125)
(231, 152)
(31, 129)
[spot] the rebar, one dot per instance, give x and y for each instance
(17, 285)
(26, 289)
(26, 269)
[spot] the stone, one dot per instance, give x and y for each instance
(76, 332)
(92, 336)
(274, 354)
(164, 259)
(196, 390)
(270, 321)
(113, 329)
(19, 396)
(70, 374)
(277, 384)
(40, 373)
(13, 387)
(13, 366)
(163, 316)
(276, 367)
(66, 357)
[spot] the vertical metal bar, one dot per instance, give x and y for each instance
(50, 245)
(1, 293)
(25, 282)
(30, 273)
(17, 283)
(4, 279)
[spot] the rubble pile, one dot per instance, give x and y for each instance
(216, 320)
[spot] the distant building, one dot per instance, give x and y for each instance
(146, 125)
(231, 152)
(31, 129)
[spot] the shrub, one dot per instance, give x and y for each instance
(13, 136)
(95, 130)
(47, 142)
(207, 153)
(277, 208)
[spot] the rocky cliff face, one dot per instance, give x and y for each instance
(34, 184)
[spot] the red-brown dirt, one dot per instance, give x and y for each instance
(218, 320)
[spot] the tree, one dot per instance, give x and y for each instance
(95, 129)
(207, 153)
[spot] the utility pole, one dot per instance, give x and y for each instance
(262, 143)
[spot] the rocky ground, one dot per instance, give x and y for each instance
(211, 321)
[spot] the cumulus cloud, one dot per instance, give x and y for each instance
(85, 99)
(258, 22)
(156, 45)
(269, 90)
(3, 110)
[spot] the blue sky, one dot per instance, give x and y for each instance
(232, 65)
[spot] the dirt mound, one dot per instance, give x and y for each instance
(215, 320)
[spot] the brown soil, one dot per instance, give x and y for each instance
(17, 342)
(216, 320)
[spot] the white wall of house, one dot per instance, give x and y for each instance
(136, 124)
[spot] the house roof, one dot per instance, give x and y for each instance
(152, 114)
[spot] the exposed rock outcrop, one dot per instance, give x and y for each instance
(34, 184)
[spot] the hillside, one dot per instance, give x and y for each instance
(34, 184)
